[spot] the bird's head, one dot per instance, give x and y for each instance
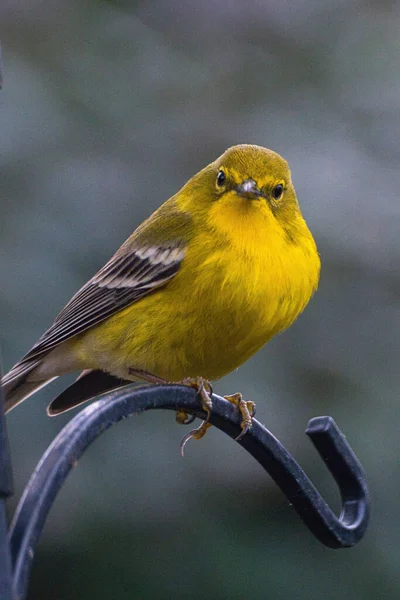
(248, 186)
(252, 176)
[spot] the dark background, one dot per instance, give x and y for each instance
(107, 109)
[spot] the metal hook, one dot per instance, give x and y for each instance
(113, 406)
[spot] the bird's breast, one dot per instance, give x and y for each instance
(241, 298)
(220, 308)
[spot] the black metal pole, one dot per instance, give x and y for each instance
(87, 425)
(6, 490)
(6, 484)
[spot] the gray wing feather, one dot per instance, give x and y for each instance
(123, 280)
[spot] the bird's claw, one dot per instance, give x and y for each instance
(205, 390)
(196, 434)
(183, 418)
(246, 408)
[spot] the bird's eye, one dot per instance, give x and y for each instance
(221, 178)
(277, 192)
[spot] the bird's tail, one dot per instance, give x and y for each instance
(22, 381)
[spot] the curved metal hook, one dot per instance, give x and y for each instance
(87, 425)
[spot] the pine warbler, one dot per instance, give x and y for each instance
(212, 275)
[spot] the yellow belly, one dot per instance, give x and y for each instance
(222, 306)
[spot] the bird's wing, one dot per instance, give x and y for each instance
(128, 276)
(89, 384)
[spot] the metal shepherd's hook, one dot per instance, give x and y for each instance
(336, 532)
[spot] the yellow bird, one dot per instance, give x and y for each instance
(212, 275)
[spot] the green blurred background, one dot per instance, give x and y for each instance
(107, 109)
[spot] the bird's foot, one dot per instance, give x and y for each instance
(205, 390)
(146, 376)
(246, 408)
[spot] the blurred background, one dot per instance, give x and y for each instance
(107, 109)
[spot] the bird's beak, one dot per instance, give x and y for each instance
(248, 189)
